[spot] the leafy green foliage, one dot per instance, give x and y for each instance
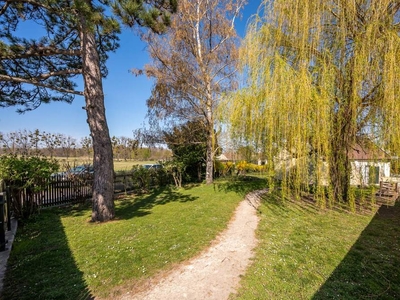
(321, 76)
(149, 179)
(176, 169)
(188, 145)
(154, 14)
(26, 173)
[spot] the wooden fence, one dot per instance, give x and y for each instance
(61, 190)
(5, 219)
(78, 188)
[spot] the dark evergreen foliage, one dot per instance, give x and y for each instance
(43, 68)
(188, 144)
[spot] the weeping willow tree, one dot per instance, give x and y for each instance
(320, 75)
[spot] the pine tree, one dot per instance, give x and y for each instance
(75, 37)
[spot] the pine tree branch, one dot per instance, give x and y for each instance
(58, 73)
(36, 82)
(31, 2)
(4, 8)
(40, 51)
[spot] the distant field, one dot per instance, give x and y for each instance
(127, 165)
(118, 165)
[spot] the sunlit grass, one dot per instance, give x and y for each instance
(303, 252)
(63, 256)
(308, 253)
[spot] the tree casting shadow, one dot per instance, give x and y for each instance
(141, 205)
(41, 261)
(242, 185)
(371, 269)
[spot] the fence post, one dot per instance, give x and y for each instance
(8, 199)
(2, 225)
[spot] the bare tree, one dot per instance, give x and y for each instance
(19, 142)
(87, 144)
(52, 141)
(193, 65)
(67, 144)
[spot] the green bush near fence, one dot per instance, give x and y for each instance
(26, 174)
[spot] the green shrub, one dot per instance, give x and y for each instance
(27, 174)
(148, 179)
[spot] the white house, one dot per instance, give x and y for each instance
(369, 164)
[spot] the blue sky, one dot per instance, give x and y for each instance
(125, 94)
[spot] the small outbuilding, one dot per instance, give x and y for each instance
(369, 164)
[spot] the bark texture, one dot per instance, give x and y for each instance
(103, 190)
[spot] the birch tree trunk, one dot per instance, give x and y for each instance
(210, 137)
(210, 157)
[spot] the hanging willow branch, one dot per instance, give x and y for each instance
(320, 77)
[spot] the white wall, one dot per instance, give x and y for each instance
(360, 171)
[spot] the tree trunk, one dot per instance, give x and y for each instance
(341, 141)
(340, 173)
(343, 137)
(210, 138)
(103, 190)
(209, 159)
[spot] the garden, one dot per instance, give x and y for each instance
(306, 89)
(304, 252)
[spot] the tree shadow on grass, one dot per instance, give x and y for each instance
(74, 210)
(140, 206)
(41, 265)
(371, 269)
(242, 185)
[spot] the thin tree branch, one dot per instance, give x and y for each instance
(41, 51)
(4, 8)
(58, 73)
(226, 76)
(38, 83)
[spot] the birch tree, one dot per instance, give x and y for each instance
(320, 77)
(193, 64)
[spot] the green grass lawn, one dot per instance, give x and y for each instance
(61, 255)
(306, 253)
(303, 252)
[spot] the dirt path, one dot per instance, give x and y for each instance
(216, 272)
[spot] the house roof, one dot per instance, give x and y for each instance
(226, 156)
(222, 157)
(367, 152)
